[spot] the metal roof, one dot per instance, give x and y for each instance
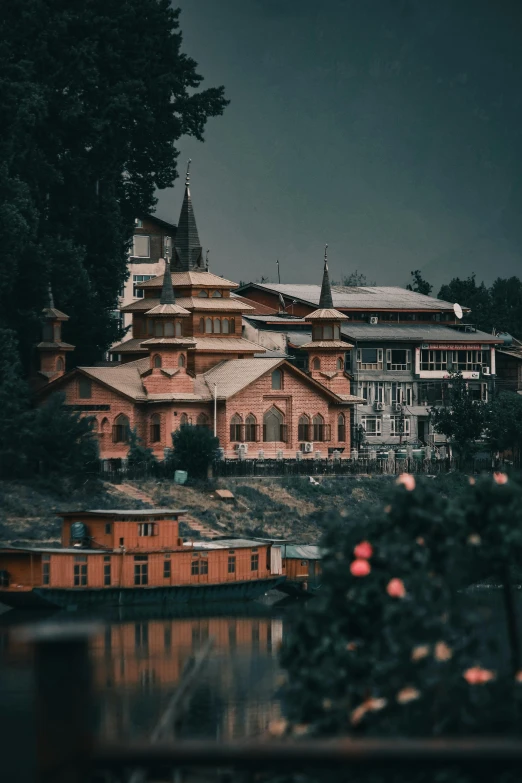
(301, 552)
(124, 512)
(364, 298)
(275, 319)
(414, 333)
(224, 543)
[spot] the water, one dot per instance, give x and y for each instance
(138, 661)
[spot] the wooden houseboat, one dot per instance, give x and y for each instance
(302, 568)
(122, 557)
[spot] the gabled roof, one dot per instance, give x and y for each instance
(190, 303)
(123, 378)
(257, 307)
(166, 310)
(232, 376)
(414, 333)
(206, 344)
(190, 278)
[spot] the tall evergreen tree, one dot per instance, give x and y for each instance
(14, 404)
(468, 294)
(418, 284)
(94, 96)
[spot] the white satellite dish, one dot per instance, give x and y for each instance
(457, 309)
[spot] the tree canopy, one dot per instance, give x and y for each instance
(94, 97)
(418, 283)
(194, 449)
(498, 307)
(462, 419)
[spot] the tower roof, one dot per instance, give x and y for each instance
(167, 296)
(188, 253)
(325, 300)
(50, 311)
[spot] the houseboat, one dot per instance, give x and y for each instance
(302, 568)
(125, 558)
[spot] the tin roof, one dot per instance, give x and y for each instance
(191, 303)
(169, 309)
(225, 543)
(327, 314)
(301, 552)
(192, 279)
(123, 512)
(414, 333)
(358, 298)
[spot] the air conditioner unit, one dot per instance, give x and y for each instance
(307, 448)
(374, 320)
(243, 447)
(397, 407)
(379, 406)
(486, 370)
(475, 375)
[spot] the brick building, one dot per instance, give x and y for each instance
(187, 362)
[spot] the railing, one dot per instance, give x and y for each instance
(66, 751)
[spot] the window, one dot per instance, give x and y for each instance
(399, 425)
(48, 333)
(254, 562)
(250, 428)
(231, 564)
(431, 393)
(107, 570)
(194, 569)
(217, 326)
(166, 569)
(398, 359)
(141, 570)
(217, 294)
(201, 325)
(80, 571)
(46, 569)
(466, 361)
(84, 388)
(233, 326)
(318, 423)
(277, 380)
(433, 360)
(339, 364)
(369, 358)
(105, 426)
(181, 360)
(402, 393)
(378, 391)
(226, 326)
(60, 366)
(147, 529)
(183, 420)
(139, 293)
(155, 428)
(178, 328)
(303, 428)
(138, 223)
(328, 332)
(108, 528)
(121, 429)
(372, 425)
(202, 420)
(236, 425)
(140, 246)
(316, 363)
(169, 329)
(341, 428)
(157, 361)
(158, 329)
(203, 566)
(208, 325)
(203, 294)
(273, 428)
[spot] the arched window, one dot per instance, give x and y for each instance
(337, 331)
(340, 363)
(316, 363)
(202, 420)
(203, 294)
(60, 364)
(178, 328)
(217, 325)
(156, 362)
(303, 428)
(226, 326)
(317, 332)
(105, 426)
(273, 427)
(341, 428)
(181, 360)
(158, 329)
(201, 325)
(169, 329)
(183, 420)
(328, 332)
(155, 428)
(121, 429)
(251, 428)
(318, 428)
(236, 426)
(277, 380)
(208, 325)
(94, 423)
(217, 294)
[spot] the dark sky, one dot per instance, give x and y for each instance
(390, 129)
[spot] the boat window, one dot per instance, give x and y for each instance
(141, 572)
(147, 529)
(232, 565)
(203, 567)
(254, 562)
(80, 572)
(107, 571)
(304, 562)
(166, 569)
(141, 557)
(231, 551)
(195, 568)
(107, 528)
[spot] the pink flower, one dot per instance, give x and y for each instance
(518, 676)
(407, 480)
(407, 694)
(472, 480)
(420, 541)
(363, 550)
(360, 568)
(396, 588)
(478, 676)
(500, 478)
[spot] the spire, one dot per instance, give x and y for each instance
(167, 292)
(207, 265)
(325, 300)
(188, 253)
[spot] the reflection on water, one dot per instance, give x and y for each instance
(138, 662)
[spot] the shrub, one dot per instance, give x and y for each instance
(194, 450)
(139, 457)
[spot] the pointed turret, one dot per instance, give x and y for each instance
(188, 253)
(325, 300)
(51, 349)
(167, 305)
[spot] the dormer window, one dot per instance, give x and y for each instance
(217, 294)
(203, 294)
(157, 360)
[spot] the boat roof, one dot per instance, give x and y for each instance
(302, 552)
(224, 543)
(70, 550)
(124, 512)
